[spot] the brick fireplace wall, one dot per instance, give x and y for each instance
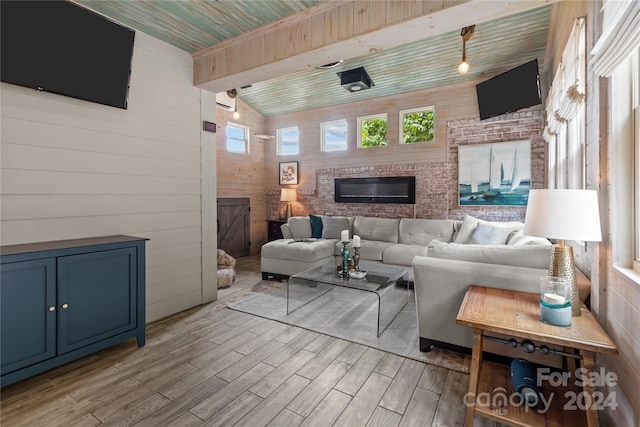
(436, 182)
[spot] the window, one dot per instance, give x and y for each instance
(372, 131)
(287, 141)
(624, 96)
(334, 135)
(566, 115)
(576, 163)
(417, 125)
(237, 138)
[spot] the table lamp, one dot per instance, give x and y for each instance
(564, 215)
(288, 195)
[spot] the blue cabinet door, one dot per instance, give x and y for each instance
(27, 313)
(96, 297)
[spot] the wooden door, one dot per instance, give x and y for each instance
(233, 226)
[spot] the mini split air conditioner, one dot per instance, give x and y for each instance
(224, 101)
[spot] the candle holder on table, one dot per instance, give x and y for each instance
(344, 273)
(356, 259)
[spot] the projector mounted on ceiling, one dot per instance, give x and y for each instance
(355, 80)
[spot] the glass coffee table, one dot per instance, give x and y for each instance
(381, 280)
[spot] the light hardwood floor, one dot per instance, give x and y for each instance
(211, 366)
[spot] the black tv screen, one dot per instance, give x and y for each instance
(60, 47)
(510, 91)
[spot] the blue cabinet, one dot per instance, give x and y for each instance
(27, 313)
(64, 300)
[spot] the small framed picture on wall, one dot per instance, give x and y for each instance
(289, 173)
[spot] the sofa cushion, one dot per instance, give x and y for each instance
(519, 238)
(286, 231)
(307, 251)
(402, 254)
(470, 223)
(487, 234)
(369, 249)
(531, 256)
(423, 231)
(300, 227)
(316, 226)
(332, 226)
(377, 229)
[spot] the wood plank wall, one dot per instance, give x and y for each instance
(242, 175)
(73, 169)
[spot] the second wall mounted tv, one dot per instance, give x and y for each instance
(510, 91)
(60, 47)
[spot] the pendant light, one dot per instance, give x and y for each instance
(234, 94)
(466, 33)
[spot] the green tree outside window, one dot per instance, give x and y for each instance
(417, 127)
(374, 132)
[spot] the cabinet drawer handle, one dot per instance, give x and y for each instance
(65, 305)
(52, 308)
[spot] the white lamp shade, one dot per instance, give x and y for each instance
(288, 195)
(563, 215)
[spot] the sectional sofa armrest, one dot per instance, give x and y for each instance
(440, 286)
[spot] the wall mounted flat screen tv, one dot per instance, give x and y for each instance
(510, 91)
(60, 47)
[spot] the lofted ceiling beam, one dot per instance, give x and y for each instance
(336, 30)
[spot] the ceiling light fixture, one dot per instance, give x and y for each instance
(355, 80)
(330, 65)
(232, 93)
(466, 33)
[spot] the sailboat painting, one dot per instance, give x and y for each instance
(494, 174)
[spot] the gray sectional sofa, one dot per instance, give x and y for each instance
(383, 240)
(443, 258)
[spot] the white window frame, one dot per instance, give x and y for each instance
(362, 119)
(575, 150)
(323, 134)
(562, 170)
(636, 181)
(246, 141)
(401, 114)
(552, 163)
(635, 85)
(279, 133)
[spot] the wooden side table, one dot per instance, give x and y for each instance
(273, 229)
(517, 314)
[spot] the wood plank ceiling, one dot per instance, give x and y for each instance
(496, 46)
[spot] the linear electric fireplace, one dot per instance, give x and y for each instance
(386, 189)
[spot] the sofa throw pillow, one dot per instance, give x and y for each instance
(332, 226)
(468, 225)
(485, 234)
(300, 227)
(316, 226)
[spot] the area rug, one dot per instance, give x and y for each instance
(351, 315)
